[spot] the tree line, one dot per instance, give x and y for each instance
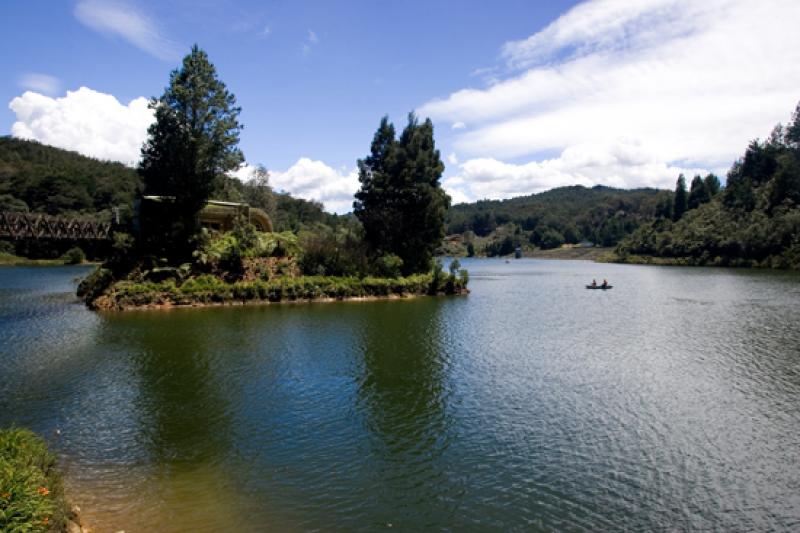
(753, 221)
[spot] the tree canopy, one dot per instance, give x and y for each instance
(401, 203)
(192, 143)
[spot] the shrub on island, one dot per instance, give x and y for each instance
(208, 289)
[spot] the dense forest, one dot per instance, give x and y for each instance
(39, 178)
(566, 215)
(753, 221)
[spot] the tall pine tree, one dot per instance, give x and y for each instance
(681, 201)
(191, 144)
(401, 203)
(698, 194)
(712, 185)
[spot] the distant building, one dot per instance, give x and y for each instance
(222, 215)
(216, 214)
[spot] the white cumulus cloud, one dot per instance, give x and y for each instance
(313, 180)
(688, 83)
(122, 19)
(614, 164)
(90, 122)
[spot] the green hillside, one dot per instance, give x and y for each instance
(602, 215)
(39, 178)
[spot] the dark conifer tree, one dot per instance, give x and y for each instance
(191, 144)
(698, 194)
(712, 185)
(401, 203)
(681, 201)
(792, 132)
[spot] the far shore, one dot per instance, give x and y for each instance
(7, 259)
(593, 253)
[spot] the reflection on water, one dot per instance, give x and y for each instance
(667, 403)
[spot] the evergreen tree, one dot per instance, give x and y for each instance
(190, 146)
(712, 185)
(680, 202)
(792, 132)
(698, 194)
(401, 203)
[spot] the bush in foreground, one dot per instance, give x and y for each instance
(31, 490)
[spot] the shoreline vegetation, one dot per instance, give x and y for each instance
(208, 290)
(32, 497)
(74, 256)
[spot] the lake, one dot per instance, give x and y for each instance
(670, 402)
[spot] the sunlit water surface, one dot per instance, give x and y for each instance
(669, 402)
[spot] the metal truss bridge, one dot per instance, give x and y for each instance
(20, 226)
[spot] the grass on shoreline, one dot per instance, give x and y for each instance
(31, 490)
(7, 259)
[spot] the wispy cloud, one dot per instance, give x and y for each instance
(43, 83)
(311, 41)
(123, 20)
(682, 84)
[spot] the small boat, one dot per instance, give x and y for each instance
(604, 287)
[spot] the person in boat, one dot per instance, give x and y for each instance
(594, 283)
(605, 284)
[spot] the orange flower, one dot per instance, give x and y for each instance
(44, 491)
(5, 495)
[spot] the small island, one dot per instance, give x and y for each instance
(186, 246)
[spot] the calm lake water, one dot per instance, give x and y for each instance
(669, 402)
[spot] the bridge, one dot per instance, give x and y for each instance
(38, 226)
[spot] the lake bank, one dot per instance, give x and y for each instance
(597, 254)
(776, 263)
(7, 259)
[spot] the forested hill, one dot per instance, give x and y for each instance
(602, 215)
(40, 178)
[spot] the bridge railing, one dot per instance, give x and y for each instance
(38, 226)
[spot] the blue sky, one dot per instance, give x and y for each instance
(524, 95)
